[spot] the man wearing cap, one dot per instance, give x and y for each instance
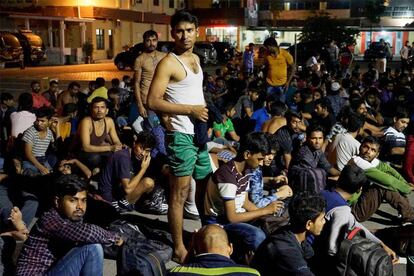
(337, 102)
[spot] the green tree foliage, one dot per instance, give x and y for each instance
(322, 28)
(374, 9)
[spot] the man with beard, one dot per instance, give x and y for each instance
(386, 184)
(68, 96)
(358, 106)
(309, 165)
(98, 135)
(38, 99)
(60, 243)
(144, 69)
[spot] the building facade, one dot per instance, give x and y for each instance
(110, 25)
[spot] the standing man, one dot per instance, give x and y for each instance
(280, 69)
(248, 60)
(144, 69)
(405, 53)
(177, 91)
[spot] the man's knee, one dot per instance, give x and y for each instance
(94, 250)
(148, 184)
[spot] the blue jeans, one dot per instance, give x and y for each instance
(31, 170)
(244, 235)
(276, 92)
(84, 260)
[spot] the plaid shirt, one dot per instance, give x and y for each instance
(52, 237)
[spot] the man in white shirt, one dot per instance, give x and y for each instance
(404, 52)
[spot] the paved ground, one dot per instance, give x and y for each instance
(16, 81)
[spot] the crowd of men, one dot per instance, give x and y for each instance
(267, 158)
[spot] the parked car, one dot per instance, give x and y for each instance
(206, 52)
(11, 52)
(224, 51)
(285, 45)
(33, 47)
(374, 49)
(126, 59)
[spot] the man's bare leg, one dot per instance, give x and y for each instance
(146, 185)
(179, 188)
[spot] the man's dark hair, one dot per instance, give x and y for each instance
(115, 82)
(74, 84)
(69, 108)
(113, 90)
(303, 207)
(401, 113)
(98, 100)
(270, 42)
(148, 34)
(351, 179)
(33, 83)
(44, 112)
(290, 114)
(305, 93)
(255, 142)
(314, 128)
(278, 108)
(273, 143)
(25, 102)
(371, 140)
(70, 185)
(146, 140)
(53, 82)
(183, 16)
(324, 103)
(356, 103)
(355, 122)
(5, 96)
(99, 82)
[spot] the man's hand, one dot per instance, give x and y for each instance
(142, 111)
(280, 179)
(391, 253)
(43, 170)
(115, 148)
(274, 207)
(119, 242)
(146, 162)
(199, 112)
(284, 192)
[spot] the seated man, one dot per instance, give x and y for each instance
(289, 137)
(339, 218)
(394, 137)
(309, 166)
(278, 120)
(37, 139)
(345, 145)
(387, 184)
(257, 182)
(226, 126)
(100, 90)
(60, 242)
(262, 115)
(68, 96)
(286, 251)
(212, 251)
(226, 200)
(98, 135)
(121, 182)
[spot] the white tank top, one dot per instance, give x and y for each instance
(187, 91)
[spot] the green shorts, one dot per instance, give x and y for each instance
(185, 158)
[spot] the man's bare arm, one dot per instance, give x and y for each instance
(164, 73)
(137, 77)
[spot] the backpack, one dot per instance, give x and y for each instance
(140, 254)
(358, 255)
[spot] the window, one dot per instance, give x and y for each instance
(156, 2)
(100, 39)
(171, 4)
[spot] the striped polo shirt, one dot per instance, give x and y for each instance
(39, 146)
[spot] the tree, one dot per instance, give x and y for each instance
(323, 28)
(374, 9)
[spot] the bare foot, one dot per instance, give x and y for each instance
(16, 219)
(180, 255)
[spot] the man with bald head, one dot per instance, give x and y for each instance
(212, 250)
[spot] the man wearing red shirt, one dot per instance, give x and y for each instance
(38, 99)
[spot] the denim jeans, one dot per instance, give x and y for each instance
(84, 260)
(31, 170)
(10, 197)
(276, 92)
(245, 235)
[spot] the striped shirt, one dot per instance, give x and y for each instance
(39, 146)
(394, 138)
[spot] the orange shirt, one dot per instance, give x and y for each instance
(277, 67)
(39, 101)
